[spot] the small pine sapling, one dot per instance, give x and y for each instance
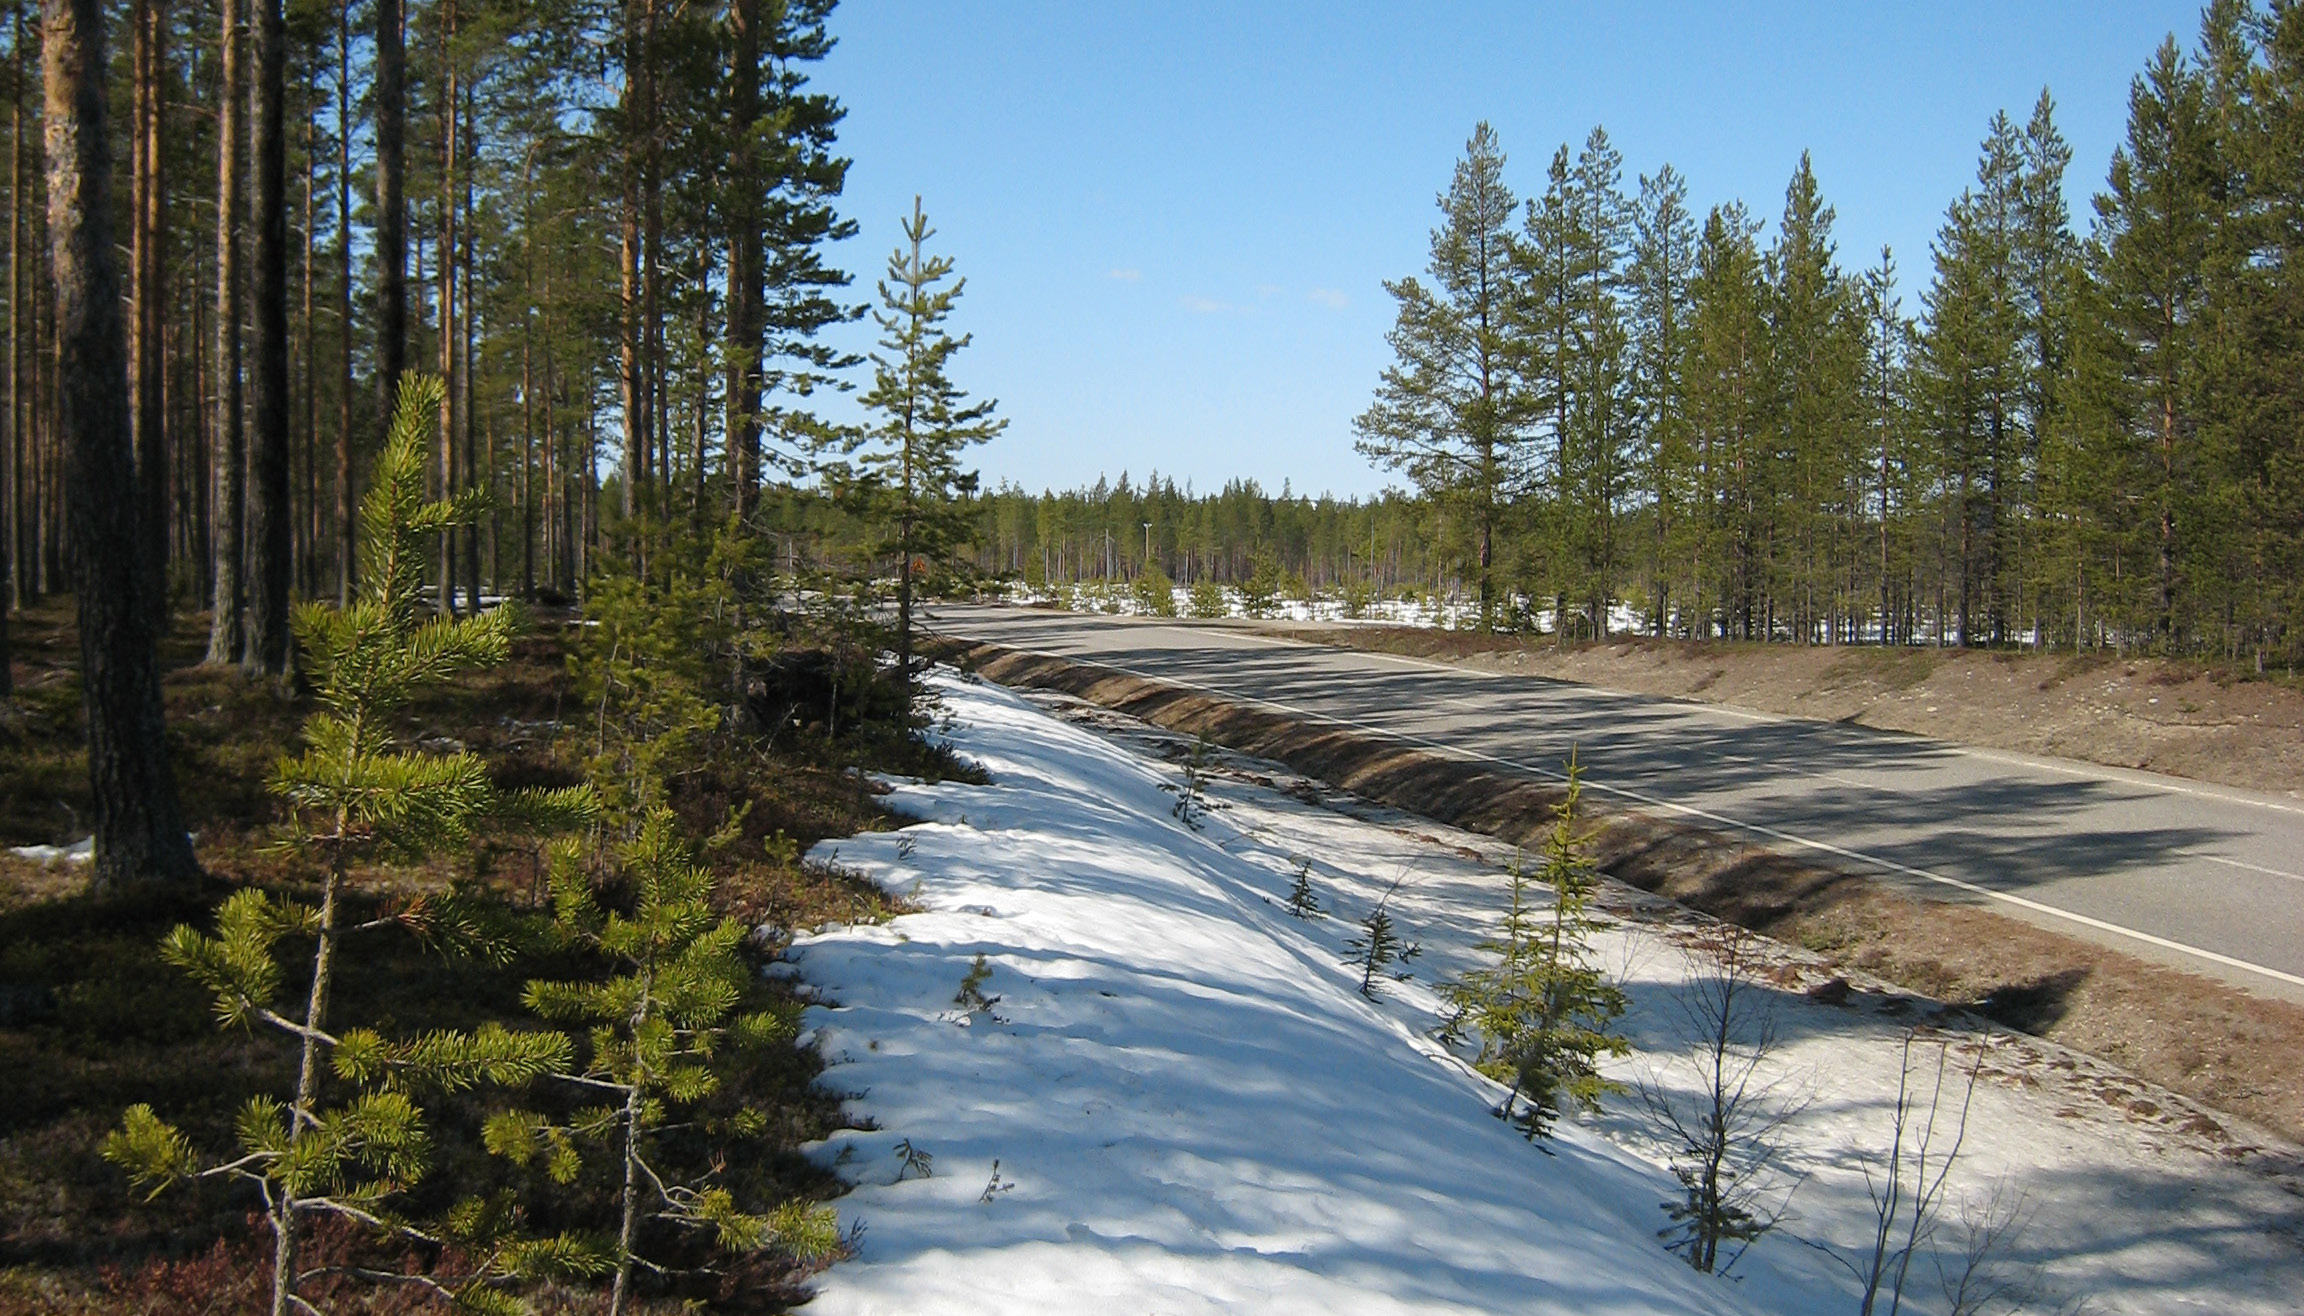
(355, 796)
(1208, 601)
(971, 998)
(1498, 1001)
(1302, 902)
(1380, 946)
(1260, 592)
(1155, 592)
(1191, 807)
(1570, 1003)
(657, 1025)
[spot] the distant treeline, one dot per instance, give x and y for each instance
(1105, 533)
(2080, 441)
(1603, 399)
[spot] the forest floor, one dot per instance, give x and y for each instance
(2173, 716)
(92, 1020)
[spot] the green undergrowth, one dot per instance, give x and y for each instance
(93, 1020)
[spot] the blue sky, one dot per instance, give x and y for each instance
(1175, 219)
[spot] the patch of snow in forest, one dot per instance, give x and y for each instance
(1167, 1094)
(80, 851)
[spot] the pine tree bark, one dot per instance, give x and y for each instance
(12, 474)
(149, 360)
(270, 517)
(227, 633)
(639, 115)
(468, 458)
(309, 535)
(391, 94)
(746, 291)
(347, 530)
(445, 275)
(139, 828)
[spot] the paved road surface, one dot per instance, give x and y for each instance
(2209, 878)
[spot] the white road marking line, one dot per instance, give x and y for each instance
(1773, 833)
(2253, 868)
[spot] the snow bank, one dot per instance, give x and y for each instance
(1177, 1101)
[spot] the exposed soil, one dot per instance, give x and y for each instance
(2211, 1042)
(2158, 714)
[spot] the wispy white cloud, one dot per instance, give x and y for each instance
(1126, 275)
(1330, 298)
(1205, 305)
(1269, 290)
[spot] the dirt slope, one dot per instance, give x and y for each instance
(2160, 715)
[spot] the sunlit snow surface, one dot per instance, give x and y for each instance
(1192, 1109)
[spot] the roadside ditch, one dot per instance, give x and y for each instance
(2210, 1042)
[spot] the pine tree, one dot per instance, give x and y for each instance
(1728, 410)
(1559, 1006)
(2155, 224)
(1814, 352)
(1662, 264)
(1496, 1000)
(1594, 448)
(656, 1026)
(1191, 807)
(926, 420)
(1303, 902)
(1451, 412)
(1895, 474)
(139, 826)
(1379, 946)
(355, 797)
(1208, 598)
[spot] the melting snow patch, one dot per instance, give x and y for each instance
(1160, 1092)
(79, 851)
(1170, 1099)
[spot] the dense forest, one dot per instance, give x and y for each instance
(602, 225)
(1605, 398)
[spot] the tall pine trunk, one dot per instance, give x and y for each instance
(19, 581)
(444, 274)
(469, 460)
(347, 528)
(148, 357)
(227, 633)
(391, 97)
(745, 290)
(139, 828)
(270, 521)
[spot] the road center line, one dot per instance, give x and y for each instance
(2253, 868)
(1691, 811)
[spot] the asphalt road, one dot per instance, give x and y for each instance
(2208, 878)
